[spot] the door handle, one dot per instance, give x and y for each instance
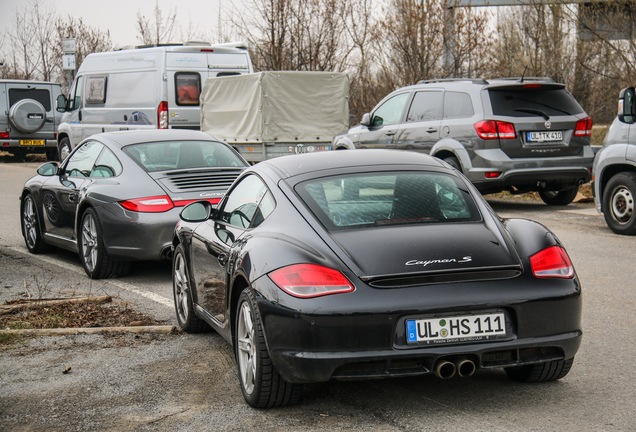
(222, 259)
(431, 130)
(390, 132)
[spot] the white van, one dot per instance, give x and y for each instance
(144, 87)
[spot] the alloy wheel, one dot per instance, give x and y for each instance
(29, 220)
(246, 348)
(181, 289)
(89, 242)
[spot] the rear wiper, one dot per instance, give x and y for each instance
(533, 111)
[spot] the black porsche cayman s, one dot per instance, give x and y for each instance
(375, 263)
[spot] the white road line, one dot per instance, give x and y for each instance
(123, 285)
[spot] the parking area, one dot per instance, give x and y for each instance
(189, 382)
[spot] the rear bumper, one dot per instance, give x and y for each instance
(14, 144)
(363, 334)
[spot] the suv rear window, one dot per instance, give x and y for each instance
(374, 200)
(533, 101)
(39, 95)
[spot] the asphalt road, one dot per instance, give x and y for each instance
(188, 382)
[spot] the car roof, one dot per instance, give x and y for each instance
(289, 166)
(124, 138)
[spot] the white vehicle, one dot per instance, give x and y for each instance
(276, 113)
(615, 168)
(144, 87)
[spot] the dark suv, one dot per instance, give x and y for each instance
(516, 134)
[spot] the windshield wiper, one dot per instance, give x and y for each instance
(533, 111)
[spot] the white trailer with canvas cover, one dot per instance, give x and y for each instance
(271, 114)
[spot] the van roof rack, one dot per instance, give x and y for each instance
(472, 80)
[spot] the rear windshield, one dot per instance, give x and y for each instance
(532, 102)
(372, 200)
(40, 95)
(172, 155)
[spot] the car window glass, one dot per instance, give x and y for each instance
(107, 165)
(75, 95)
(533, 101)
(426, 105)
(187, 88)
(171, 155)
(40, 95)
(390, 112)
(81, 162)
(457, 105)
(372, 200)
(248, 204)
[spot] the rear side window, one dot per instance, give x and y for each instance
(40, 95)
(533, 101)
(457, 105)
(375, 200)
(187, 87)
(426, 106)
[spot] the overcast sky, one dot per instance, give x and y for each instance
(120, 16)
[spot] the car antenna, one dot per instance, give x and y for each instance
(523, 74)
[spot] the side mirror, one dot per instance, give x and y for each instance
(627, 105)
(60, 103)
(198, 211)
(49, 169)
(366, 120)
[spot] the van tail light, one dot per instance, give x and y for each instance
(4, 134)
(552, 262)
(583, 127)
(492, 129)
(154, 204)
(310, 280)
(162, 115)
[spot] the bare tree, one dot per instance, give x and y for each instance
(158, 29)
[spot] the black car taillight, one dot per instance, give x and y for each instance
(310, 280)
(552, 262)
(492, 129)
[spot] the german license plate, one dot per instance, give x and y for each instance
(456, 328)
(541, 137)
(31, 142)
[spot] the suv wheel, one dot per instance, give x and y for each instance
(618, 203)
(452, 161)
(560, 197)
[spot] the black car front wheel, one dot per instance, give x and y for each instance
(541, 372)
(558, 197)
(31, 226)
(618, 203)
(95, 259)
(261, 384)
(183, 303)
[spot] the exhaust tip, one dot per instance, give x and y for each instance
(445, 369)
(465, 367)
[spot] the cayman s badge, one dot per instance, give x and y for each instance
(548, 124)
(424, 263)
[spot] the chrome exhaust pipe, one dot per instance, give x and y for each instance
(444, 369)
(465, 367)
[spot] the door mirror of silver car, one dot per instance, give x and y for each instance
(366, 120)
(49, 169)
(60, 103)
(627, 105)
(198, 211)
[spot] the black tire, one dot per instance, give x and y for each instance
(93, 255)
(31, 227)
(64, 148)
(52, 154)
(183, 304)
(454, 162)
(560, 197)
(261, 384)
(618, 203)
(540, 372)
